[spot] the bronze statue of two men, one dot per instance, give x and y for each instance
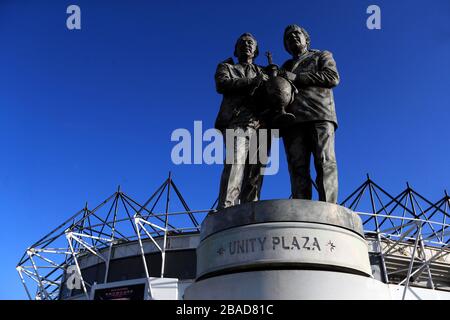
(297, 99)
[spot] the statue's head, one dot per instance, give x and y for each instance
(296, 39)
(247, 46)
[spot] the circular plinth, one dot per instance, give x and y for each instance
(284, 249)
(297, 234)
(288, 285)
(281, 245)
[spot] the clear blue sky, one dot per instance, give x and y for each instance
(84, 111)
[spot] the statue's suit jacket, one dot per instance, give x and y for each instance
(237, 87)
(316, 75)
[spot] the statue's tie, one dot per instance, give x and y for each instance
(247, 70)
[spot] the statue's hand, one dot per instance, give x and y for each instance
(260, 78)
(263, 77)
(271, 67)
(287, 75)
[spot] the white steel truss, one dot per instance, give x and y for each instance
(118, 219)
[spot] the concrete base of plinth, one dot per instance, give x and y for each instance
(288, 285)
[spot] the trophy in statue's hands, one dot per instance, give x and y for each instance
(278, 95)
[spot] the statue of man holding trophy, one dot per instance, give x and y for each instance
(297, 99)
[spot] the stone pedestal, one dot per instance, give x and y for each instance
(284, 249)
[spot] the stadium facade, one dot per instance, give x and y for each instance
(122, 249)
